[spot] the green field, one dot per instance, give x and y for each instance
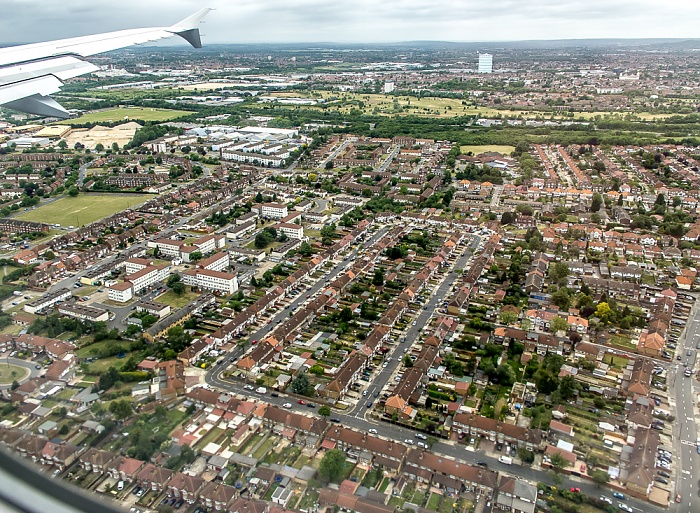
(127, 114)
(83, 209)
(476, 150)
(175, 301)
(10, 373)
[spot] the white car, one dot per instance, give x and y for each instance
(287, 405)
(373, 431)
(421, 436)
(606, 499)
(625, 507)
(408, 441)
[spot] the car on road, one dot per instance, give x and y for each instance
(301, 401)
(421, 436)
(678, 357)
(678, 497)
(274, 394)
(618, 495)
(372, 431)
(574, 489)
(310, 405)
(606, 499)
(625, 507)
(369, 404)
(422, 445)
(335, 419)
(37, 366)
(482, 464)
(408, 441)
(287, 405)
(414, 323)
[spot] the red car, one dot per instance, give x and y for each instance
(301, 401)
(575, 490)
(678, 497)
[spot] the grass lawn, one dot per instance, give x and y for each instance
(212, 435)
(10, 373)
(264, 447)
(121, 114)
(65, 394)
(175, 301)
(620, 341)
(250, 444)
(301, 461)
(476, 150)
(308, 500)
(94, 349)
(385, 484)
(103, 364)
(434, 502)
(83, 209)
(396, 502)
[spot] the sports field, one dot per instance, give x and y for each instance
(477, 150)
(128, 113)
(83, 209)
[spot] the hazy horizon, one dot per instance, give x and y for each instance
(361, 22)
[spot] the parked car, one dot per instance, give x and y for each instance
(606, 499)
(661, 480)
(372, 431)
(625, 507)
(421, 436)
(574, 489)
(618, 495)
(287, 405)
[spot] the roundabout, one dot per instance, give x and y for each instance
(13, 369)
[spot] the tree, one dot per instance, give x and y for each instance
(505, 374)
(559, 271)
(603, 312)
(346, 314)
(73, 191)
(14, 385)
(508, 317)
(301, 385)
(62, 144)
(597, 202)
(526, 456)
(179, 288)
(324, 411)
(99, 147)
(317, 370)
(49, 255)
(196, 256)
(558, 324)
(305, 249)
(567, 388)
(121, 409)
(172, 280)
(600, 477)
(378, 279)
(558, 462)
(407, 361)
(115, 147)
(332, 466)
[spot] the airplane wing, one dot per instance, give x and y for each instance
(30, 73)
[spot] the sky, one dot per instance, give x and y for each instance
(359, 21)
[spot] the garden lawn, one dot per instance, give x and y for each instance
(175, 301)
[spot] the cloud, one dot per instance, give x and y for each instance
(275, 21)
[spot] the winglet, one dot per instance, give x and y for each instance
(188, 29)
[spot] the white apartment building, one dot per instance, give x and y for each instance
(293, 231)
(134, 265)
(206, 279)
(274, 210)
(148, 276)
(210, 243)
(121, 292)
(485, 63)
(217, 262)
(167, 247)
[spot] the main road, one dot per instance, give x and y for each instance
(685, 392)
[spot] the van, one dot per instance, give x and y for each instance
(120, 485)
(506, 460)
